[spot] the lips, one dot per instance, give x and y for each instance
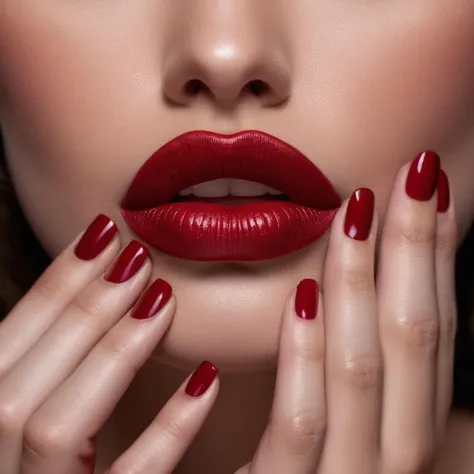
(197, 229)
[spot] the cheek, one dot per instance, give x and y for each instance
(64, 70)
(394, 70)
(389, 82)
(70, 106)
(414, 78)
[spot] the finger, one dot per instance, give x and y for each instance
(65, 344)
(160, 448)
(353, 353)
(446, 239)
(67, 275)
(294, 437)
(57, 436)
(408, 315)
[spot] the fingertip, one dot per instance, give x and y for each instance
(96, 238)
(306, 300)
(444, 192)
(447, 231)
(204, 380)
(154, 300)
(422, 176)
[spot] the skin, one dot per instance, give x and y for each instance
(367, 84)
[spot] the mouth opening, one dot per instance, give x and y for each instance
(230, 200)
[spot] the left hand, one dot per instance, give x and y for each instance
(376, 399)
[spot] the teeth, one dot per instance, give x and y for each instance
(209, 189)
(242, 187)
(229, 186)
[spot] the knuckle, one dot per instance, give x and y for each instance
(364, 374)
(360, 279)
(309, 351)
(119, 348)
(41, 441)
(304, 433)
(89, 306)
(49, 286)
(448, 326)
(415, 235)
(173, 428)
(445, 244)
(446, 239)
(115, 346)
(419, 333)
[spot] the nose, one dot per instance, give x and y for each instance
(226, 53)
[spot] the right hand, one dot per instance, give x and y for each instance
(69, 351)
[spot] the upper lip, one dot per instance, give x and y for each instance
(199, 156)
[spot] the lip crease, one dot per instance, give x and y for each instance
(202, 230)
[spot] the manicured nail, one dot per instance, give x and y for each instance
(422, 176)
(307, 298)
(96, 238)
(359, 214)
(443, 192)
(128, 263)
(201, 379)
(153, 300)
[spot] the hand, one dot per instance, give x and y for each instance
(389, 346)
(68, 352)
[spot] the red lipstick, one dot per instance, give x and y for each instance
(197, 229)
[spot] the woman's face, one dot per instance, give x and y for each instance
(89, 90)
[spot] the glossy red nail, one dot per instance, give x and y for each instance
(422, 176)
(307, 299)
(96, 238)
(359, 214)
(443, 192)
(201, 379)
(128, 263)
(153, 300)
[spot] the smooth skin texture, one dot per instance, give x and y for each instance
(88, 90)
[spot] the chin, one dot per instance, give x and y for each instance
(230, 313)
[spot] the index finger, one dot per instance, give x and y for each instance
(294, 437)
(79, 264)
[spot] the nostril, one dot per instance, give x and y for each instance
(257, 87)
(194, 87)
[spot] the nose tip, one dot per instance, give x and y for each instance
(227, 74)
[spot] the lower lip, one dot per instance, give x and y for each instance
(215, 232)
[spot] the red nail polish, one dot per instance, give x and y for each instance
(201, 379)
(443, 192)
(359, 214)
(96, 238)
(307, 299)
(128, 263)
(153, 300)
(422, 176)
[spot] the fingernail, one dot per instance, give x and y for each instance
(359, 214)
(201, 379)
(443, 192)
(96, 238)
(307, 298)
(128, 263)
(422, 176)
(153, 300)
